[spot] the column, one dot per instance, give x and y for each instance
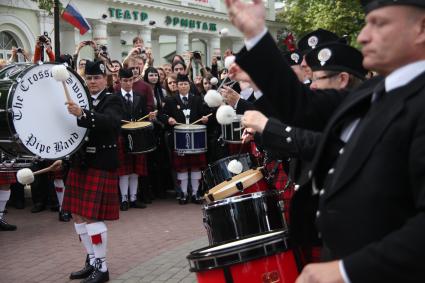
(237, 44)
(146, 34)
(156, 52)
(69, 39)
(46, 25)
(182, 42)
(114, 46)
(100, 33)
(214, 48)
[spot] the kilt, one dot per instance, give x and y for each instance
(189, 161)
(233, 148)
(131, 163)
(7, 178)
(56, 175)
(92, 194)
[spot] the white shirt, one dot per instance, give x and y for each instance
(123, 93)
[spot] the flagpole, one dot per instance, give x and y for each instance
(56, 26)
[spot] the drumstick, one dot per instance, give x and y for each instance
(47, 169)
(125, 121)
(67, 95)
(146, 116)
(201, 119)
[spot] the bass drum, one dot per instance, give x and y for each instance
(34, 120)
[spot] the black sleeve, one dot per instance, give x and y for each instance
(291, 100)
(288, 141)
(110, 117)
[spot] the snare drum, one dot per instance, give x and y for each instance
(241, 216)
(190, 139)
(34, 120)
(217, 172)
(245, 183)
(232, 133)
(139, 137)
(262, 258)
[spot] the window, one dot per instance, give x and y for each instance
(7, 41)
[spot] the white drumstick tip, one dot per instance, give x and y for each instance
(213, 98)
(214, 81)
(224, 31)
(229, 61)
(25, 176)
(235, 167)
(60, 73)
(225, 115)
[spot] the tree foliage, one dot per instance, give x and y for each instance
(47, 5)
(343, 17)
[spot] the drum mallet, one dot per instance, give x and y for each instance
(61, 74)
(146, 116)
(199, 120)
(25, 176)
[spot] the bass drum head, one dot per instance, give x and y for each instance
(37, 118)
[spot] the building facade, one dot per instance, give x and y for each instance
(167, 26)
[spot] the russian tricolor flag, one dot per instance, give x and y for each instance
(74, 17)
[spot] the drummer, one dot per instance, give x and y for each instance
(6, 179)
(186, 108)
(131, 165)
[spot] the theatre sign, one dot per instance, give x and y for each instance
(188, 23)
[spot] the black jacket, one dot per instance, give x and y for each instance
(371, 207)
(136, 110)
(104, 124)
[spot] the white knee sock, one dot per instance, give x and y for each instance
(124, 187)
(195, 176)
(4, 197)
(134, 182)
(183, 178)
(81, 230)
(99, 236)
(60, 190)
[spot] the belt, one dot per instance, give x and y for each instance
(93, 149)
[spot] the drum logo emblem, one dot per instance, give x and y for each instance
(130, 142)
(187, 140)
(270, 277)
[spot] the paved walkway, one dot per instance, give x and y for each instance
(145, 245)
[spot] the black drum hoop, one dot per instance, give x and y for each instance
(256, 249)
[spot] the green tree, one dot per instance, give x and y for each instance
(343, 17)
(47, 5)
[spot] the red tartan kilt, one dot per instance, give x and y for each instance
(92, 194)
(130, 163)
(233, 148)
(185, 162)
(56, 175)
(280, 183)
(7, 178)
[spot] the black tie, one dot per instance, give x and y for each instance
(185, 101)
(128, 102)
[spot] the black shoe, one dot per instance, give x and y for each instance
(19, 204)
(124, 206)
(64, 216)
(183, 200)
(85, 272)
(4, 226)
(137, 204)
(38, 207)
(97, 276)
(196, 200)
